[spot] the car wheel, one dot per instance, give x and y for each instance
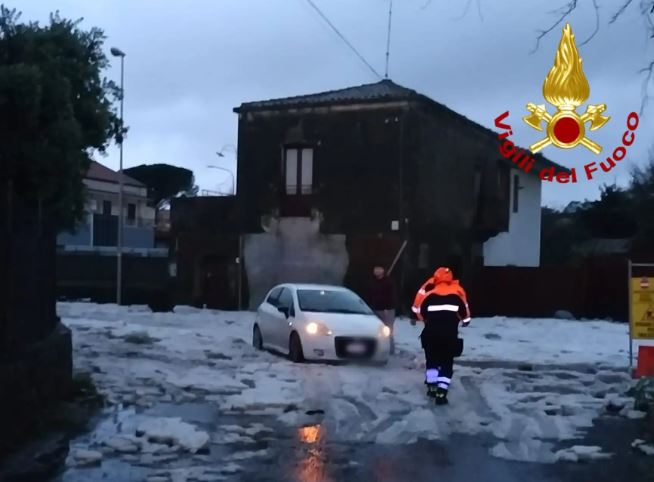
(257, 339)
(295, 349)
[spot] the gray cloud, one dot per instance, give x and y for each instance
(187, 67)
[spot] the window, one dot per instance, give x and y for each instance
(274, 295)
(131, 214)
(106, 208)
(332, 301)
(285, 299)
(298, 170)
(516, 190)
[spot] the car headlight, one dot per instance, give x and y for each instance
(315, 328)
(385, 332)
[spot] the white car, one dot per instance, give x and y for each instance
(319, 322)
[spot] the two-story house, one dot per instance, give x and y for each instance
(99, 229)
(331, 184)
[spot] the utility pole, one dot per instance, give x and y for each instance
(388, 37)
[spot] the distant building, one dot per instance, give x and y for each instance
(86, 257)
(333, 183)
(98, 231)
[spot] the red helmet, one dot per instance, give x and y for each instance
(443, 275)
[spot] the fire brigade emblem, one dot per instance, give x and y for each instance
(566, 88)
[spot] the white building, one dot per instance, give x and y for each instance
(99, 228)
(520, 245)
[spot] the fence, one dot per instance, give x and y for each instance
(93, 276)
(594, 289)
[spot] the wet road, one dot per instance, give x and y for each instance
(265, 419)
(307, 455)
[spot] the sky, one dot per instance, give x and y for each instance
(189, 64)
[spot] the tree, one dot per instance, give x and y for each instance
(642, 192)
(611, 216)
(56, 111)
(164, 181)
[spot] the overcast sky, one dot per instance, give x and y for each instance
(189, 63)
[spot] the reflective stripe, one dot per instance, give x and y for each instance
(432, 375)
(443, 385)
(415, 309)
(442, 308)
(444, 379)
(467, 320)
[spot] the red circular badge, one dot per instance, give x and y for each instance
(566, 130)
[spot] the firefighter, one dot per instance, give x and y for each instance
(441, 303)
(420, 295)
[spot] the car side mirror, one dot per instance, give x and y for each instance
(284, 310)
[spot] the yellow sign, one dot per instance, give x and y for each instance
(642, 307)
(566, 88)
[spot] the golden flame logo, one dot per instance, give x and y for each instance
(566, 88)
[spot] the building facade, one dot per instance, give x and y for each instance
(331, 184)
(98, 231)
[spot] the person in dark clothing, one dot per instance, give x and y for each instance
(382, 300)
(442, 308)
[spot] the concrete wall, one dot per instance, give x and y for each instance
(520, 245)
(80, 237)
(292, 250)
(86, 234)
(138, 237)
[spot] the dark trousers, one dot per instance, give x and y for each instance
(439, 367)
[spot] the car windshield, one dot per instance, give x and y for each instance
(332, 301)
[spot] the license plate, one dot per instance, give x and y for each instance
(356, 348)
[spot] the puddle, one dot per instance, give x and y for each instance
(196, 413)
(110, 470)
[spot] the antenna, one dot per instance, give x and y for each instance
(388, 36)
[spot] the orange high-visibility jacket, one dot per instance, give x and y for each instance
(430, 286)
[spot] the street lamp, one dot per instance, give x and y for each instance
(222, 149)
(228, 171)
(119, 245)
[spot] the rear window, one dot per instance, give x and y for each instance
(332, 301)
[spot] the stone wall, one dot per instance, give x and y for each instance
(292, 250)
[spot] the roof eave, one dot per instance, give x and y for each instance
(309, 105)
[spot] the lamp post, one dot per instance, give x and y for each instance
(119, 245)
(228, 171)
(239, 259)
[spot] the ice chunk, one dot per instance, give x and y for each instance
(580, 453)
(173, 431)
(635, 414)
(645, 448)
(122, 444)
(86, 457)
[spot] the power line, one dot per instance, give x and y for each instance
(347, 42)
(388, 36)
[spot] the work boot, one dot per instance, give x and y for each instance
(431, 390)
(441, 396)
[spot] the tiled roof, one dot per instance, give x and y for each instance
(99, 172)
(383, 90)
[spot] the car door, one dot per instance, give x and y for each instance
(267, 316)
(282, 322)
